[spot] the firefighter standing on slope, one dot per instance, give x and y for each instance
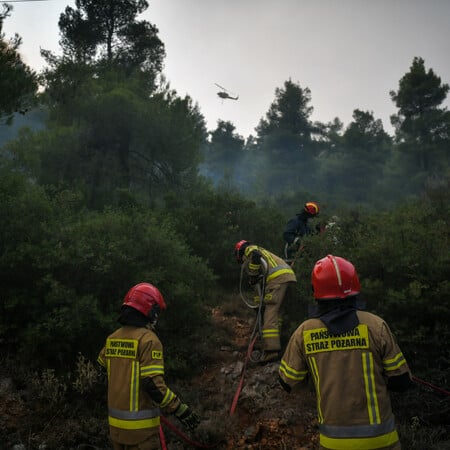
(260, 263)
(133, 358)
(298, 227)
(353, 359)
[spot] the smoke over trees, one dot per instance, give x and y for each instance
(360, 164)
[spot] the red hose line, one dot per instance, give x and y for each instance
(432, 386)
(162, 438)
(184, 436)
(241, 382)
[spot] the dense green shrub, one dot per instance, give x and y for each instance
(65, 272)
(403, 263)
(213, 220)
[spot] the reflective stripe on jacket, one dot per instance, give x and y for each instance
(348, 371)
(134, 420)
(273, 266)
(130, 355)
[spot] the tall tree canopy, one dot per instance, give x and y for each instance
(287, 127)
(224, 154)
(18, 83)
(120, 141)
(103, 38)
(284, 139)
(422, 126)
(114, 124)
(108, 31)
(352, 167)
(226, 146)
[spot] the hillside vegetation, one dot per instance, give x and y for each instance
(120, 182)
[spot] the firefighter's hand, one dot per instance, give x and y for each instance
(187, 417)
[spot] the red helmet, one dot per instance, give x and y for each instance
(239, 249)
(143, 297)
(312, 208)
(334, 277)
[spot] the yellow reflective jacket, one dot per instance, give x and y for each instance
(129, 355)
(349, 372)
(271, 265)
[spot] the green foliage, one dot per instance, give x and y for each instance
(289, 113)
(212, 221)
(25, 209)
(116, 141)
(107, 31)
(107, 195)
(65, 271)
(33, 119)
(284, 141)
(419, 91)
(18, 83)
(361, 164)
(422, 125)
(223, 154)
(403, 263)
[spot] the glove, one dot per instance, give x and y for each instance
(187, 417)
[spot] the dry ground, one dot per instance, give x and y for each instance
(265, 416)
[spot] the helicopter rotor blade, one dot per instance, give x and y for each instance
(221, 87)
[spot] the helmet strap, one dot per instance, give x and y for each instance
(153, 314)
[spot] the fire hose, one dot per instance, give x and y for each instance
(255, 333)
(241, 382)
(432, 386)
(182, 435)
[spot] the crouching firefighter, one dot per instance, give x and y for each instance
(276, 275)
(298, 227)
(353, 359)
(133, 358)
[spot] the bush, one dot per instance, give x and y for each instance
(212, 221)
(64, 284)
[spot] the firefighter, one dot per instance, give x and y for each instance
(353, 359)
(276, 275)
(298, 227)
(134, 360)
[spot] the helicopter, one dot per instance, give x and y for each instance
(225, 93)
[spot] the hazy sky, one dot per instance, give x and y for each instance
(349, 53)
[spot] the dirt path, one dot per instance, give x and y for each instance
(266, 417)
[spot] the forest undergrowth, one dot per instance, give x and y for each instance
(42, 411)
